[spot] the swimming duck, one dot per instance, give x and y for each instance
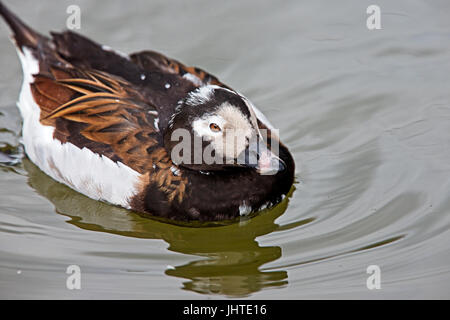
(108, 125)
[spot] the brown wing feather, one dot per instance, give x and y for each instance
(102, 109)
(103, 113)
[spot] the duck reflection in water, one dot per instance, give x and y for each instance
(230, 257)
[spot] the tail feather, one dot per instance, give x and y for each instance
(22, 34)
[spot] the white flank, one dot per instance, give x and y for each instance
(91, 174)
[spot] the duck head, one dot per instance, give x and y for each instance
(216, 129)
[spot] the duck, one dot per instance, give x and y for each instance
(143, 131)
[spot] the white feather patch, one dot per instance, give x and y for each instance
(156, 124)
(200, 95)
(244, 209)
(192, 78)
(89, 173)
(123, 55)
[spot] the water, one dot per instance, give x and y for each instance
(365, 113)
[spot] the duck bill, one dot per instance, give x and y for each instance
(259, 157)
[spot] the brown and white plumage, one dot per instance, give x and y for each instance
(98, 121)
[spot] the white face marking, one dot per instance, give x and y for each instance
(203, 94)
(258, 115)
(235, 130)
(89, 173)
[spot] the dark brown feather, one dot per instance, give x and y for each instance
(23, 35)
(154, 61)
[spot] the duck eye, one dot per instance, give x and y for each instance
(214, 127)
